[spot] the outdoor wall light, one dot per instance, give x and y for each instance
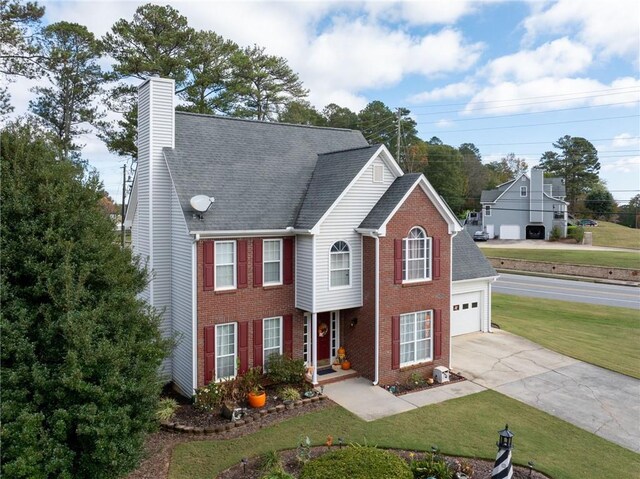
(354, 321)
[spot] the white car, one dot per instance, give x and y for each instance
(480, 236)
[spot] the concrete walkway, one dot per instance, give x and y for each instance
(369, 402)
(598, 400)
(595, 399)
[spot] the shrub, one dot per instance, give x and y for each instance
(251, 381)
(555, 234)
(431, 466)
(277, 475)
(285, 370)
(357, 462)
(166, 408)
(209, 397)
(576, 232)
(289, 393)
(416, 380)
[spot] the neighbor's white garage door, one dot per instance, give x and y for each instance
(510, 232)
(465, 314)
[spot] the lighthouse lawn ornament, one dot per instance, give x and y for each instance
(503, 468)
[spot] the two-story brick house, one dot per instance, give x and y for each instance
(313, 240)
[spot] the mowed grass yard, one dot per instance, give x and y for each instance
(466, 426)
(602, 335)
(617, 236)
(610, 259)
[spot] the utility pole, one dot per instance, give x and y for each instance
(124, 186)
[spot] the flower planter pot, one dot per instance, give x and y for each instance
(346, 364)
(257, 400)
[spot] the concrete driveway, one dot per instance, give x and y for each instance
(595, 399)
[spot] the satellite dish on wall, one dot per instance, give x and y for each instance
(201, 203)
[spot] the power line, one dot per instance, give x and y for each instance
(543, 124)
(632, 88)
(536, 112)
(547, 142)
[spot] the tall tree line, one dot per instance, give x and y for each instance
(214, 75)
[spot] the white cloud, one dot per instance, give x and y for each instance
(625, 140)
(551, 93)
(444, 123)
(558, 58)
(451, 91)
(623, 165)
(421, 12)
(610, 26)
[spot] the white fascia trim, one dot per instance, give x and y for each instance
(386, 158)
(243, 233)
(132, 206)
(441, 206)
(374, 233)
(553, 198)
(511, 185)
(485, 279)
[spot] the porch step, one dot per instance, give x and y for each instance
(338, 374)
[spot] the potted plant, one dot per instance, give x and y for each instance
(256, 396)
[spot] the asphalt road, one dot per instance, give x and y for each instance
(567, 290)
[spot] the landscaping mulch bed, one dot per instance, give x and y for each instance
(399, 389)
(158, 446)
(481, 469)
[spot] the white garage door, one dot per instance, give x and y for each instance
(510, 232)
(465, 314)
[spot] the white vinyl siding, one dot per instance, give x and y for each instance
(340, 225)
(181, 299)
(339, 265)
(155, 132)
(226, 351)
(304, 272)
(225, 263)
(272, 338)
(272, 262)
(416, 338)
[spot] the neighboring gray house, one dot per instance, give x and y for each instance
(523, 208)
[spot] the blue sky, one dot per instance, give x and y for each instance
(508, 76)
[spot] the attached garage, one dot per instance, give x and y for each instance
(466, 313)
(511, 232)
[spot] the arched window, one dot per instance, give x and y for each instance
(416, 256)
(339, 265)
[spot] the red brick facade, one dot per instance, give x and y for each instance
(246, 304)
(251, 303)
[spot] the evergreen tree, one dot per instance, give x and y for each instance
(302, 113)
(577, 163)
(444, 171)
(599, 201)
(67, 107)
(80, 352)
(475, 175)
(340, 117)
(262, 85)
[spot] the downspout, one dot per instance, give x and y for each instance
(455, 233)
(377, 310)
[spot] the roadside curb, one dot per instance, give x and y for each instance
(584, 279)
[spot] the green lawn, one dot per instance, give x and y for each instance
(612, 259)
(466, 426)
(602, 335)
(618, 236)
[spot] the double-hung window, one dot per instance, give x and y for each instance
(225, 265)
(272, 338)
(416, 256)
(416, 338)
(523, 191)
(226, 350)
(272, 260)
(339, 265)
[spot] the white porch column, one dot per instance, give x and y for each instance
(314, 347)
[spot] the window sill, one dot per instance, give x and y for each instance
(226, 291)
(417, 283)
(411, 367)
(272, 286)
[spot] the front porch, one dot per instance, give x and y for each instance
(332, 374)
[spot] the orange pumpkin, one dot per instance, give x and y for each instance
(346, 364)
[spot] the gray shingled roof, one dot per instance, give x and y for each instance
(468, 260)
(557, 186)
(331, 176)
(258, 172)
(386, 204)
